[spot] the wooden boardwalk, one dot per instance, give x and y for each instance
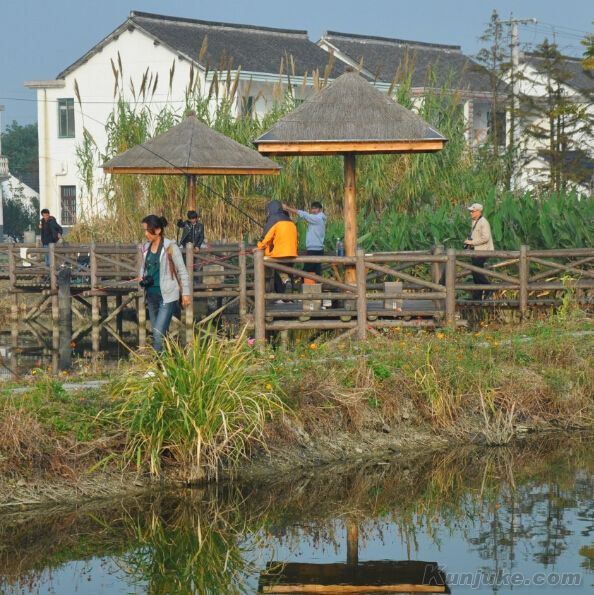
(415, 289)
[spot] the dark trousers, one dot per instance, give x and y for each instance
(479, 278)
(313, 267)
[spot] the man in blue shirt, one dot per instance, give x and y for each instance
(316, 233)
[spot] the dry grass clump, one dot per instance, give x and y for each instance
(330, 396)
(28, 447)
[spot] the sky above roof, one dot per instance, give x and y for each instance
(40, 38)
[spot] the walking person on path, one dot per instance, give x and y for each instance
(315, 235)
(163, 276)
(480, 238)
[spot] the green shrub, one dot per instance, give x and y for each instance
(200, 406)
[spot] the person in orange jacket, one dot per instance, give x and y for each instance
(280, 238)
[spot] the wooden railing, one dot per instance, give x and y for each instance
(430, 286)
(423, 288)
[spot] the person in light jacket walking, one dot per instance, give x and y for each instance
(480, 238)
(163, 276)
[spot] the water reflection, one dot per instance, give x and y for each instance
(489, 512)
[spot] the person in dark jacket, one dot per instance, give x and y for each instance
(193, 231)
(51, 231)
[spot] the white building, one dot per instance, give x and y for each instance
(430, 65)
(168, 52)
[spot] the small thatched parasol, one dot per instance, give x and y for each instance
(350, 117)
(191, 148)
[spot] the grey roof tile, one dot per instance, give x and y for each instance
(383, 57)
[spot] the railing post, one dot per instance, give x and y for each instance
(450, 304)
(54, 293)
(361, 279)
(524, 273)
(190, 306)
(95, 331)
(12, 267)
(140, 306)
(259, 299)
(437, 268)
(65, 318)
(242, 283)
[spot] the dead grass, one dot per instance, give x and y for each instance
(29, 448)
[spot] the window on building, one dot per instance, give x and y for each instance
(497, 129)
(66, 118)
(68, 205)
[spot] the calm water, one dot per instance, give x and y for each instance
(519, 514)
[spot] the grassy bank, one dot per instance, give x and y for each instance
(217, 405)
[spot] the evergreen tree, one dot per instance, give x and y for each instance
(495, 59)
(20, 145)
(588, 42)
(557, 120)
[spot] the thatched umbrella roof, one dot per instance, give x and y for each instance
(350, 116)
(191, 147)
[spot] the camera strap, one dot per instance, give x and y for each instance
(474, 226)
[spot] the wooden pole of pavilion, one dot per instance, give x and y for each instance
(350, 214)
(192, 192)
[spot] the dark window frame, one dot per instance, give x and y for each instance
(68, 205)
(66, 128)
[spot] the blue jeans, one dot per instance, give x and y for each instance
(160, 315)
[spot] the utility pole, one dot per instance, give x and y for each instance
(513, 80)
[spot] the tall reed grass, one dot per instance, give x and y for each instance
(199, 407)
(405, 201)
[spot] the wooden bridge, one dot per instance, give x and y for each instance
(407, 289)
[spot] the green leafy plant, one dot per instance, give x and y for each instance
(201, 406)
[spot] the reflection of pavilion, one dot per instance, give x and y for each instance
(384, 576)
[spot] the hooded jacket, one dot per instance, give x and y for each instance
(280, 233)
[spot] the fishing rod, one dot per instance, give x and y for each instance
(221, 196)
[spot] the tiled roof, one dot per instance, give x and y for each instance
(383, 57)
(225, 45)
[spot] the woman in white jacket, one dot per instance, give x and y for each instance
(163, 277)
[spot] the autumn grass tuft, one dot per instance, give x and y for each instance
(200, 407)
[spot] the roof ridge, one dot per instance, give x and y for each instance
(393, 40)
(537, 55)
(218, 24)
